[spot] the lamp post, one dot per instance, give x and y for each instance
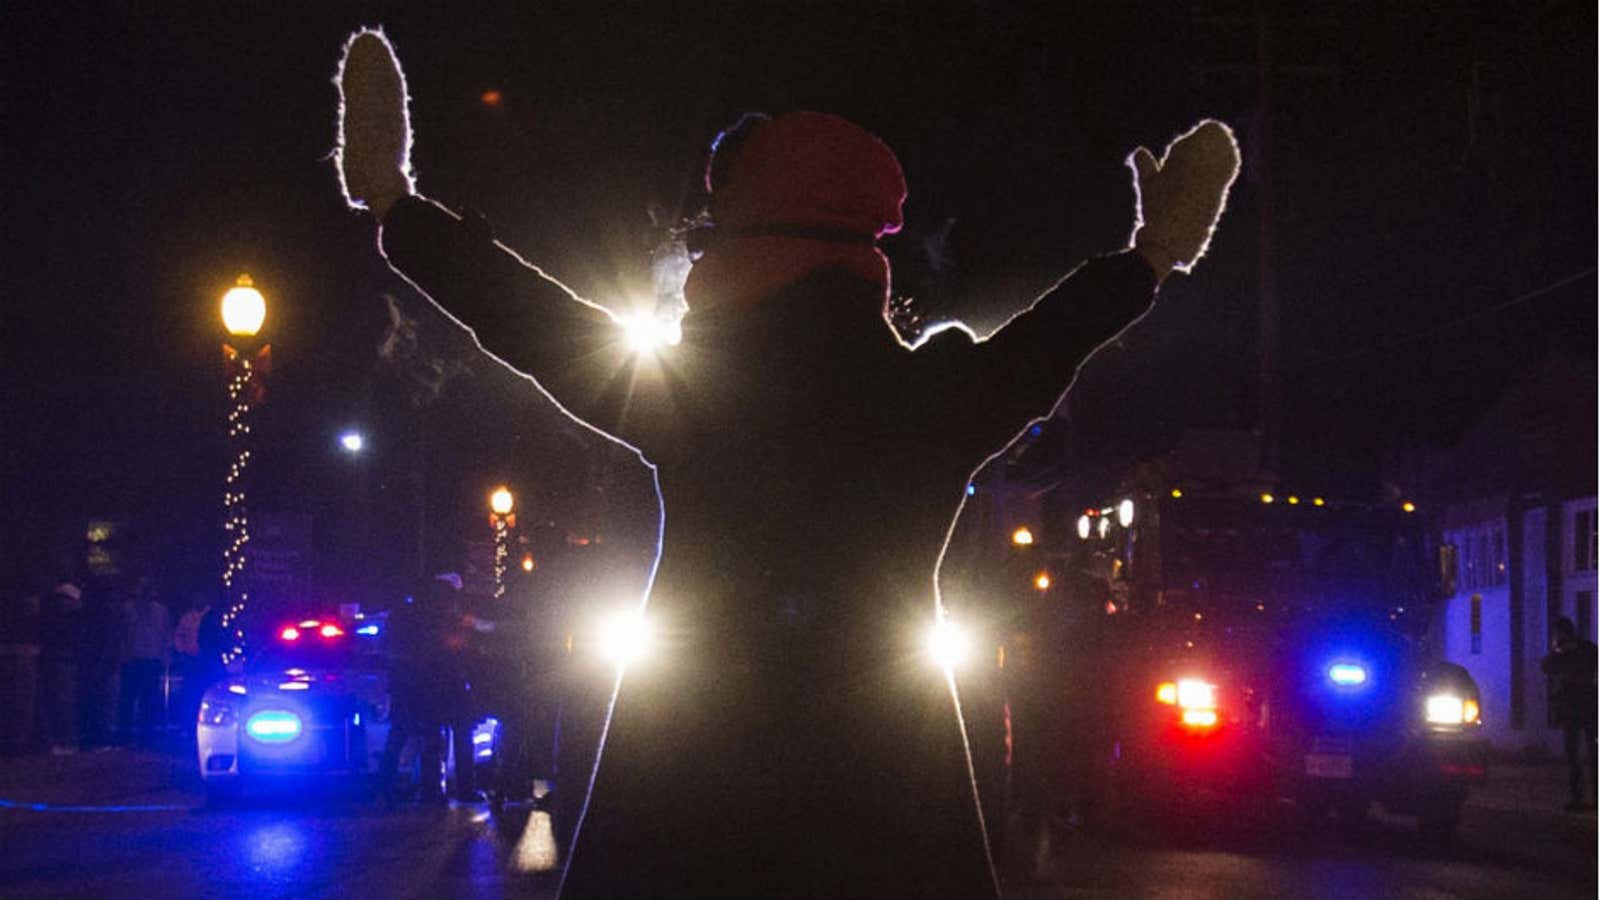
(503, 520)
(243, 311)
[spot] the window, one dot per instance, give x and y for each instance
(1485, 572)
(1497, 572)
(1583, 540)
(1477, 624)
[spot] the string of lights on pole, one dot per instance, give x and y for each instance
(243, 311)
(502, 520)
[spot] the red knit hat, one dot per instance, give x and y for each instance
(812, 170)
(804, 190)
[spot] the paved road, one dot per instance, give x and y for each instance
(129, 824)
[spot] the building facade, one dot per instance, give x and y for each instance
(1516, 499)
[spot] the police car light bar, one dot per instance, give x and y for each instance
(274, 726)
(1347, 674)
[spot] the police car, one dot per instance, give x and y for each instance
(313, 702)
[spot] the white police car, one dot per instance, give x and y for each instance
(312, 703)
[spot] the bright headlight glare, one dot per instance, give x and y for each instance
(625, 638)
(948, 644)
(647, 332)
(1445, 709)
(1196, 694)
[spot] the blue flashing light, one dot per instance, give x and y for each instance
(971, 489)
(1347, 674)
(367, 630)
(274, 726)
(482, 737)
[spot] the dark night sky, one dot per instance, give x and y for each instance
(1429, 164)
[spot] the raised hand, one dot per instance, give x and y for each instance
(374, 149)
(1181, 196)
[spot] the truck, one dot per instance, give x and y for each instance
(1271, 645)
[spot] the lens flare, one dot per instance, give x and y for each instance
(948, 644)
(625, 638)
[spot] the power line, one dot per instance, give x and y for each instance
(1461, 320)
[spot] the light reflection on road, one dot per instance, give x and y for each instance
(536, 849)
(274, 848)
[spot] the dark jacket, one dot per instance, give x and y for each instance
(801, 451)
(1572, 672)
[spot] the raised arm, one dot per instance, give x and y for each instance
(997, 385)
(576, 350)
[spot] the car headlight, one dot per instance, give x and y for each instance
(216, 714)
(948, 643)
(1449, 709)
(1196, 694)
(625, 638)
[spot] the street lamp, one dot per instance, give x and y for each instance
(501, 518)
(353, 442)
(243, 312)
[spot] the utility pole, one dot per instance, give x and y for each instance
(1226, 22)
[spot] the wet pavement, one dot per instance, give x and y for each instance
(131, 823)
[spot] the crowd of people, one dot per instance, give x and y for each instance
(106, 661)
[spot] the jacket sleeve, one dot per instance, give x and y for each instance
(990, 389)
(520, 315)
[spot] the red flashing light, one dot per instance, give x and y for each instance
(290, 634)
(331, 631)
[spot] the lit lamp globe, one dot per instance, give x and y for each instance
(500, 502)
(243, 308)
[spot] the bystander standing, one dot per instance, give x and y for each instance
(60, 646)
(141, 707)
(1571, 668)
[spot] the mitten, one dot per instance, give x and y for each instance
(373, 156)
(1181, 197)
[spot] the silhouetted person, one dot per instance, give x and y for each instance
(101, 661)
(425, 681)
(146, 650)
(60, 652)
(795, 742)
(1571, 667)
(197, 658)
